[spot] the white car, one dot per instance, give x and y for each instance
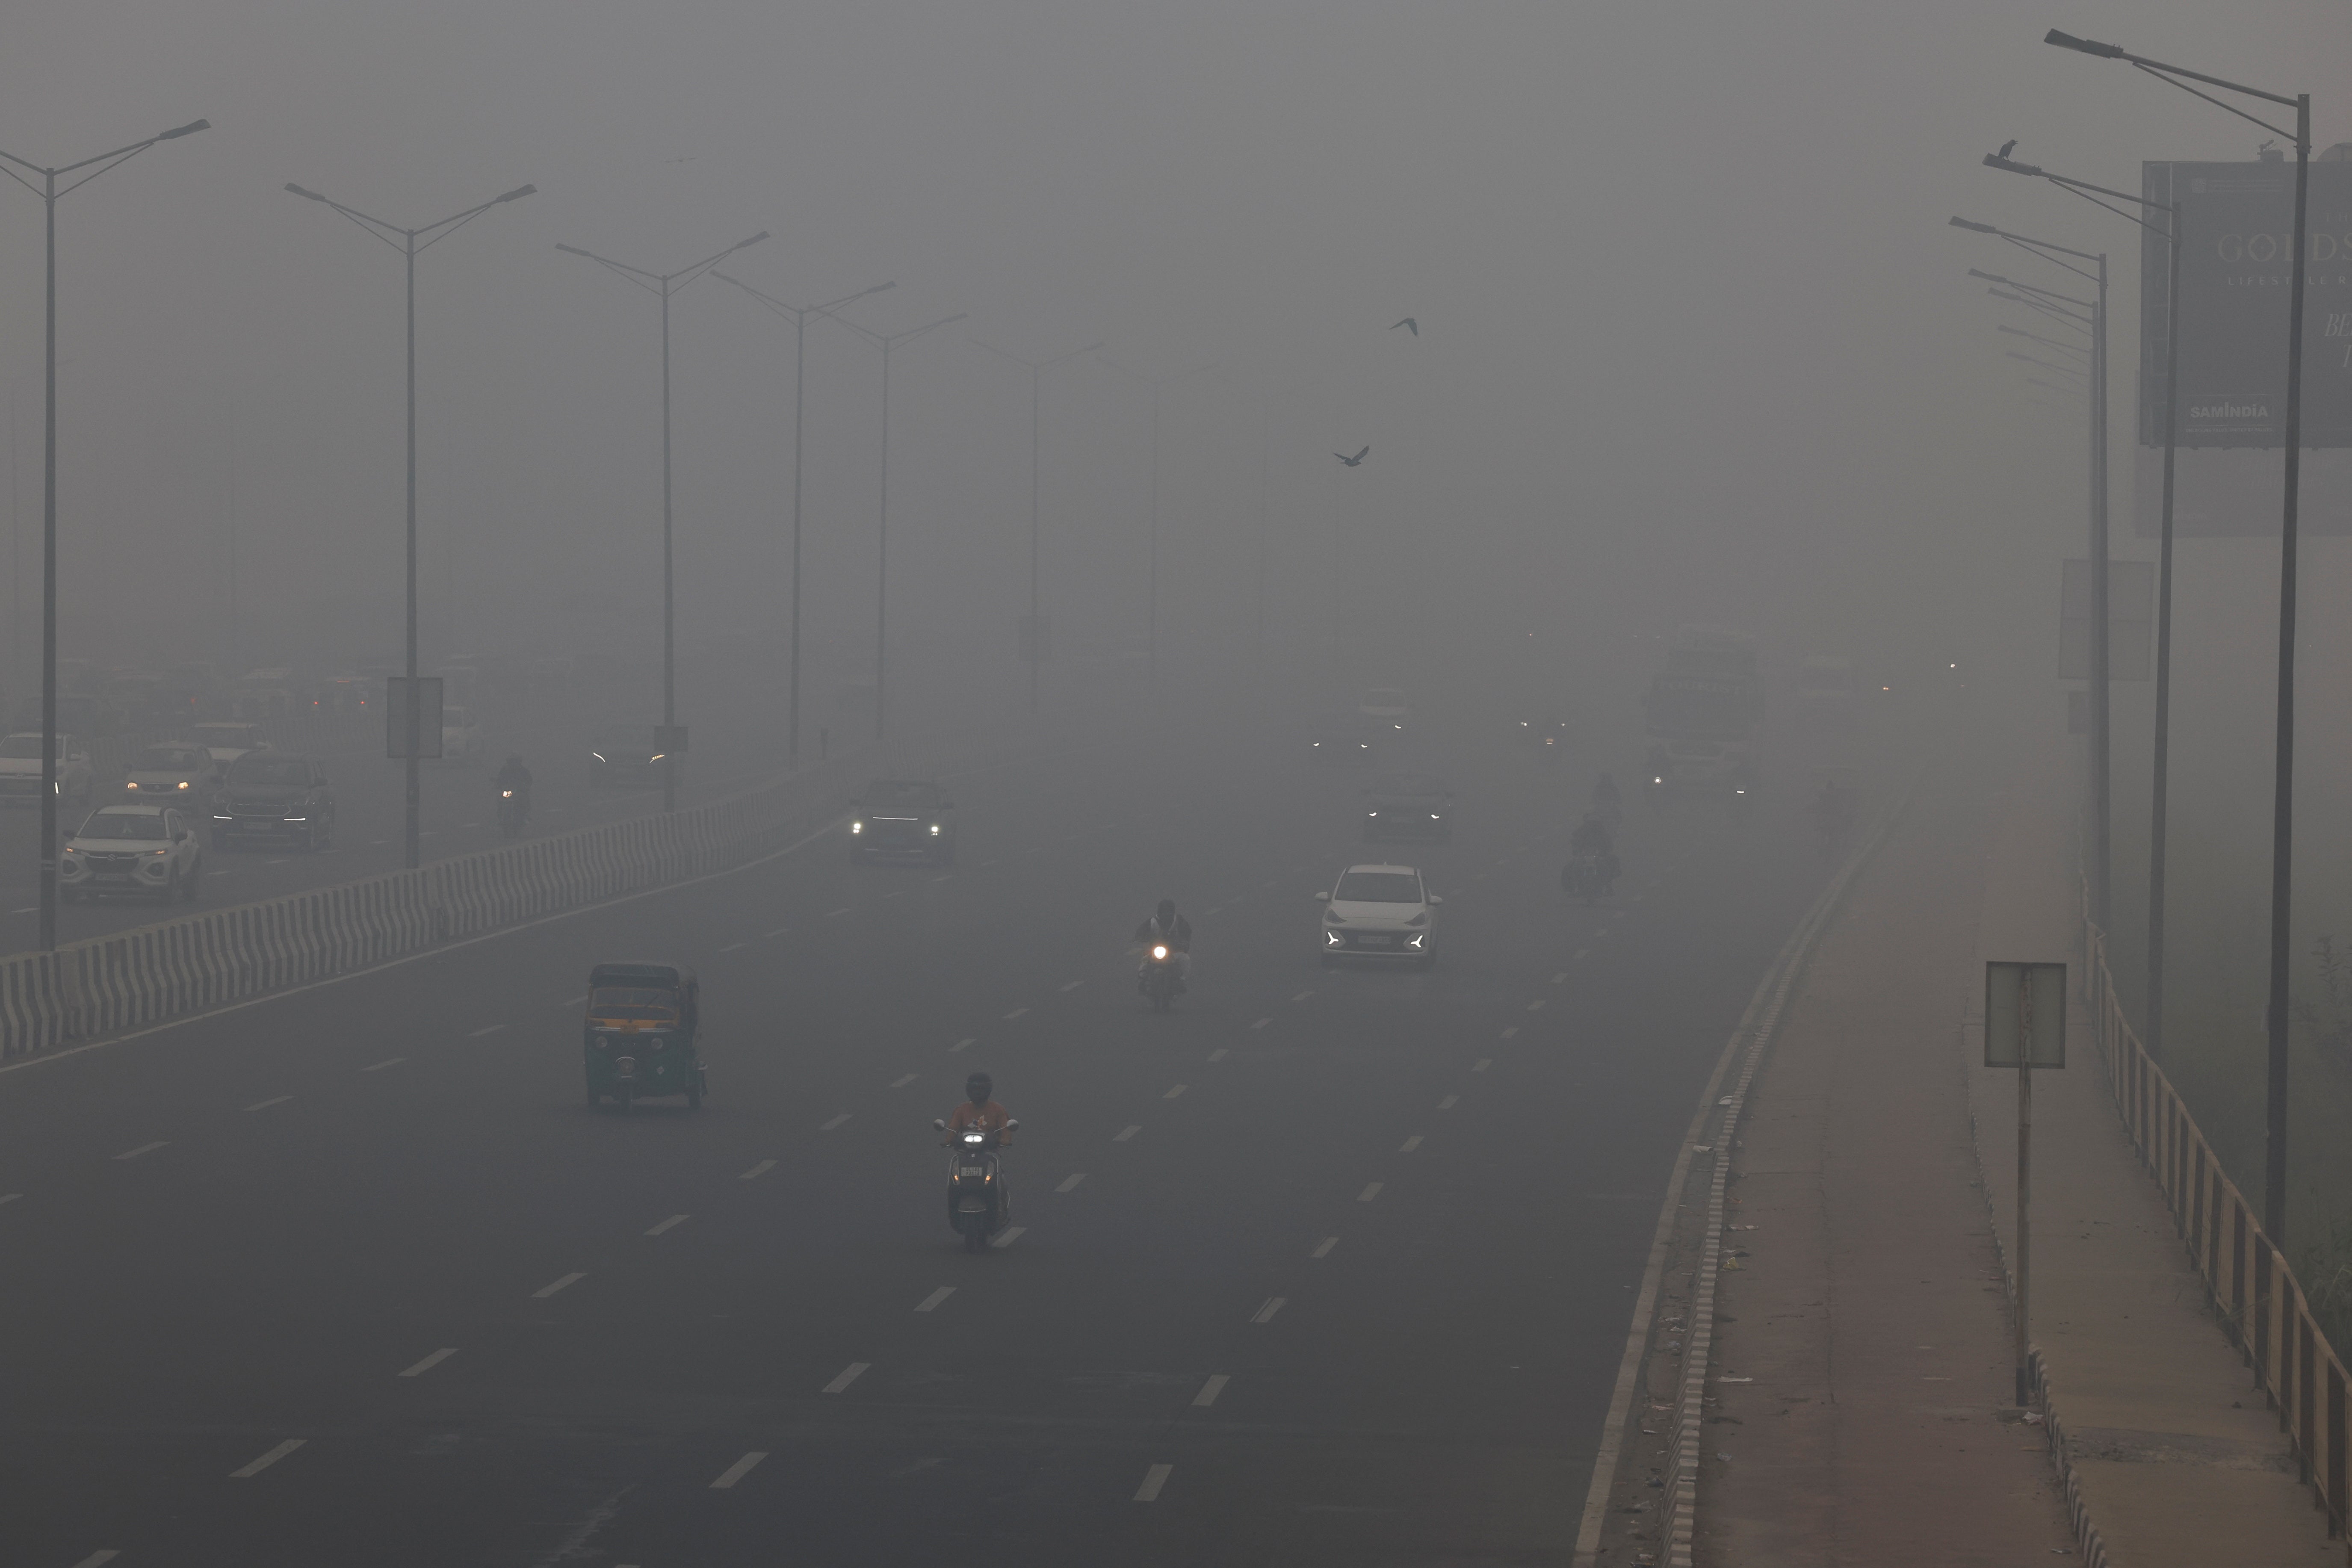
(179, 770)
(133, 848)
(1386, 707)
(461, 734)
(1381, 913)
(20, 768)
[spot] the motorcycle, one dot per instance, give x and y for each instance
(513, 807)
(1160, 980)
(979, 1205)
(1589, 874)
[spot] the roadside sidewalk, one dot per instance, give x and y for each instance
(1863, 1353)
(2177, 1456)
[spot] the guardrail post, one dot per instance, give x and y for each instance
(2338, 1481)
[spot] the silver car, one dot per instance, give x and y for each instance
(133, 848)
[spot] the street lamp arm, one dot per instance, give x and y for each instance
(449, 225)
(2028, 288)
(2081, 323)
(651, 281)
(685, 275)
(2058, 343)
(2057, 369)
(2157, 67)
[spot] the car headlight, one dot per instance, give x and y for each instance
(131, 784)
(162, 851)
(935, 829)
(182, 784)
(1371, 814)
(857, 828)
(298, 820)
(1414, 941)
(1330, 938)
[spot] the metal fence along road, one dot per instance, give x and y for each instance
(90, 989)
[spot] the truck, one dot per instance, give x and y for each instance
(1702, 712)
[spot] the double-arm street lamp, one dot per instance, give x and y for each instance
(2102, 850)
(2282, 766)
(408, 242)
(48, 190)
(800, 315)
(888, 343)
(2161, 787)
(666, 284)
(1035, 640)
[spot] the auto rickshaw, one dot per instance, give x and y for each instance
(639, 1038)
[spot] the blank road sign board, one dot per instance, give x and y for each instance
(2025, 1015)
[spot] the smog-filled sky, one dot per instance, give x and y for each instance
(1695, 343)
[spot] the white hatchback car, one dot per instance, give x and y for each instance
(1381, 913)
(133, 848)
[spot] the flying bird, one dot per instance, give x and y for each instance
(1359, 457)
(1408, 321)
(2007, 148)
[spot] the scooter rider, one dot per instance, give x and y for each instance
(1168, 929)
(980, 1109)
(514, 776)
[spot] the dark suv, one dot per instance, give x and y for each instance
(275, 795)
(903, 817)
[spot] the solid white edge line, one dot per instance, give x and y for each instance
(38, 1058)
(1621, 1403)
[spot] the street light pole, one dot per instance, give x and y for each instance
(2102, 845)
(888, 343)
(666, 284)
(800, 315)
(49, 191)
(2277, 1017)
(1036, 369)
(2159, 793)
(408, 242)
(1157, 384)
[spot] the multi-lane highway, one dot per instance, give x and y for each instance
(1332, 1266)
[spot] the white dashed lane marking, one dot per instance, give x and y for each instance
(1173, 1092)
(1481, 1064)
(1154, 1479)
(904, 1081)
(932, 1301)
(738, 1470)
(761, 1169)
(429, 1362)
(1302, 996)
(1218, 1055)
(1371, 1190)
(1069, 1182)
(572, 1002)
(1265, 1314)
(490, 1030)
(144, 1149)
(1260, 1023)
(265, 1104)
(846, 1376)
(675, 1220)
(1511, 1033)
(1128, 1133)
(10, 1198)
(104, 1555)
(960, 1044)
(1410, 1144)
(544, 1292)
(1074, 984)
(834, 1122)
(834, 914)
(1580, 953)
(1210, 1390)
(1561, 976)
(1323, 1248)
(732, 946)
(387, 1062)
(780, 931)
(1535, 1005)
(1008, 1235)
(1449, 1103)
(263, 1463)
(1017, 1012)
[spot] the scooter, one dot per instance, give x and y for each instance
(513, 807)
(979, 1206)
(1160, 980)
(1588, 874)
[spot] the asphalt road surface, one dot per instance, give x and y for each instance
(1330, 1267)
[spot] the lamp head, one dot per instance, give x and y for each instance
(1995, 161)
(879, 287)
(1992, 277)
(2083, 46)
(1974, 227)
(306, 196)
(574, 250)
(190, 129)
(740, 243)
(517, 194)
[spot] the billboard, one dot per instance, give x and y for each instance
(2237, 229)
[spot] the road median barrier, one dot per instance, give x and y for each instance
(88, 989)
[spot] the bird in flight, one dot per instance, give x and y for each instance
(2007, 148)
(1359, 457)
(1408, 321)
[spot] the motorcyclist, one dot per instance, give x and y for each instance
(1604, 793)
(1591, 835)
(978, 1109)
(513, 775)
(1167, 928)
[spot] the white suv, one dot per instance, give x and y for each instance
(132, 848)
(1381, 913)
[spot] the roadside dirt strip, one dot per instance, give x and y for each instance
(1642, 1505)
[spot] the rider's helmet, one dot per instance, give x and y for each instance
(978, 1088)
(514, 763)
(1167, 911)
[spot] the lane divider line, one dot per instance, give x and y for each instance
(1265, 1314)
(1262, 1022)
(1371, 1190)
(492, 1029)
(1410, 1144)
(544, 1292)
(1218, 1055)
(387, 1062)
(772, 935)
(1008, 1235)
(1128, 1133)
(1449, 1103)
(573, 1001)
(271, 1458)
(960, 1044)
(1154, 1479)
(1070, 1182)
(1016, 1013)
(846, 1376)
(1210, 1390)
(10, 1198)
(670, 1223)
(265, 1104)
(1173, 1092)
(1302, 996)
(1072, 986)
(835, 914)
(1535, 1005)
(734, 946)
(1481, 1064)
(738, 1470)
(834, 1122)
(903, 1082)
(144, 1149)
(429, 1362)
(1511, 1033)
(1323, 1247)
(932, 1301)
(104, 1554)
(761, 1169)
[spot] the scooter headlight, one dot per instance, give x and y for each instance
(1159, 954)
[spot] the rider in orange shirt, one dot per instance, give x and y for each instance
(978, 1110)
